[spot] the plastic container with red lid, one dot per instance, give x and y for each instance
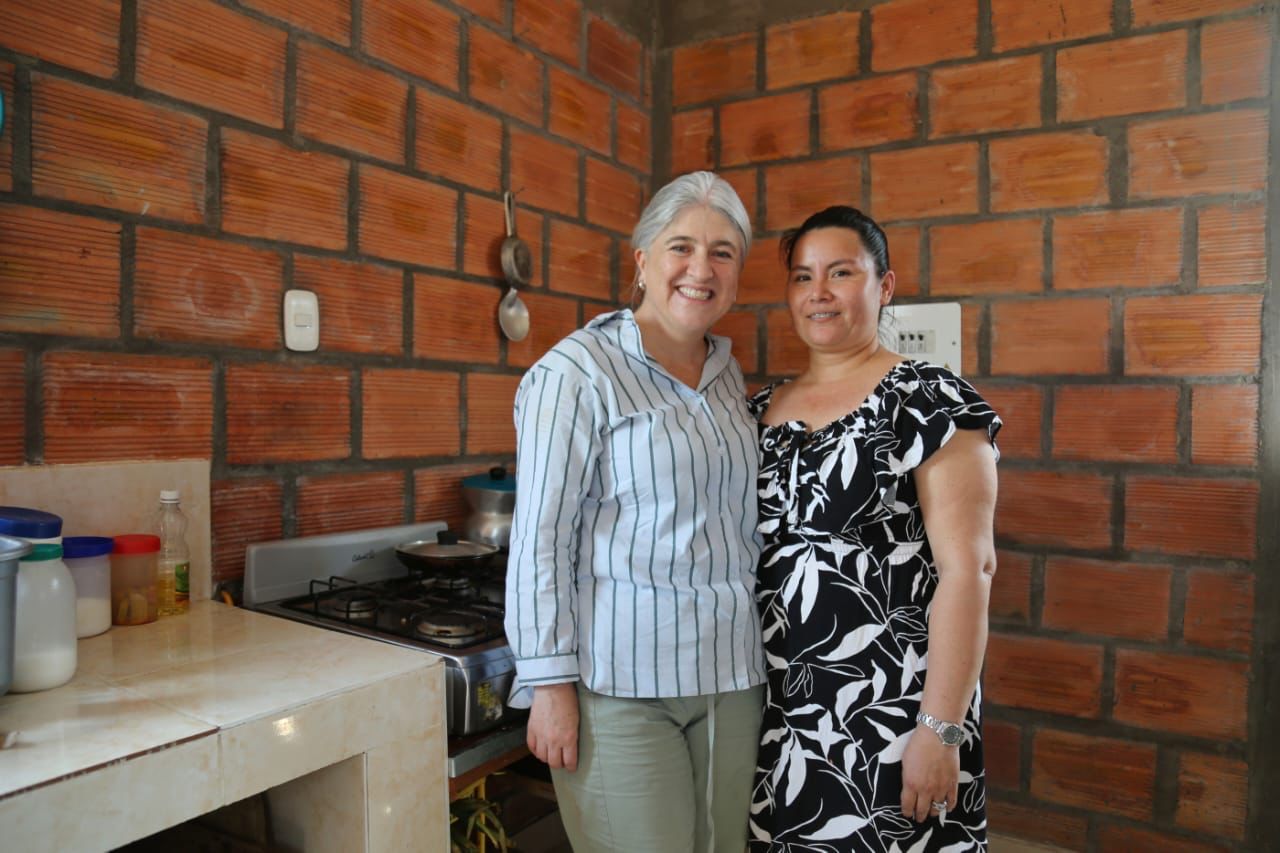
(133, 579)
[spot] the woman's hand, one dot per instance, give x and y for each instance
(553, 725)
(930, 774)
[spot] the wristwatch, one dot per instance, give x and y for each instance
(949, 733)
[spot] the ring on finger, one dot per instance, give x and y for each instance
(941, 806)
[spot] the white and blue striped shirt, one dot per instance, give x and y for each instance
(633, 546)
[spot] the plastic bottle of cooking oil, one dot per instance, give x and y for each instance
(174, 584)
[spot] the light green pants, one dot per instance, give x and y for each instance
(642, 780)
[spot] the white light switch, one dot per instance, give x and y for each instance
(926, 332)
(301, 320)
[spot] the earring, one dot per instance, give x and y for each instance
(640, 284)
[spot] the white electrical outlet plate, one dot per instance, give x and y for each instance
(927, 332)
(301, 320)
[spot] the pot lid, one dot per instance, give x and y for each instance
(497, 480)
(12, 549)
(448, 547)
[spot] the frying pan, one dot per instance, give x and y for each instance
(447, 555)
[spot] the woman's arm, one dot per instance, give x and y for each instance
(957, 490)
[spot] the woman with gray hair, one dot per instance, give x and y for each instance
(630, 587)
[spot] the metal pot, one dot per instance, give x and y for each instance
(448, 555)
(10, 550)
(492, 499)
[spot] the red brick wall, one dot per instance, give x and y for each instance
(1087, 178)
(170, 167)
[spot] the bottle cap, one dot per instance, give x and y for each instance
(170, 496)
(29, 523)
(136, 543)
(79, 547)
(40, 553)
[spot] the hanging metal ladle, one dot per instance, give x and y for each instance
(517, 266)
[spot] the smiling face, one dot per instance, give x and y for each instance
(834, 292)
(690, 273)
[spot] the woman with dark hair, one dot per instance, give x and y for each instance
(877, 492)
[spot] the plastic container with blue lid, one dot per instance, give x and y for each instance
(89, 559)
(33, 525)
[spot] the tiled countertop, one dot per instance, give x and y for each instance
(170, 720)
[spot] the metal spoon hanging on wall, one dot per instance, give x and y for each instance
(517, 266)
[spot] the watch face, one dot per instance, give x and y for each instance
(951, 734)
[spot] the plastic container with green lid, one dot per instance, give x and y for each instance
(44, 641)
(133, 579)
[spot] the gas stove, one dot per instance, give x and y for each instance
(353, 582)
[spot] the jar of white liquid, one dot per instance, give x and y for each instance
(44, 641)
(89, 559)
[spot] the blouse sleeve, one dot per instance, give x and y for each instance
(917, 417)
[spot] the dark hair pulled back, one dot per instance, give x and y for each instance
(841, 216)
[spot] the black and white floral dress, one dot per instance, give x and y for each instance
(846, 581)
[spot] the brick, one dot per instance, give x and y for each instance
(1051, 336)
(1232, 246)
(1147, 12)
(80, 34)
(494, 10)
(1213, 795)
(1127, 839)
(743, 182)
(243, 511)
(1128, 600)
(1201, 697)
(614, 197)
(936, 180)
(550, 319)
(544, 173)
(1048, 170)
(273, 191)
(1118, 248)
(455, 320)
(1224, 425)
(279, 413)
(1002, 754)
(407, 219)
(346, 103)
(1184, 515)
(491, 401)
(1020, 407)
(420, 37)
(1098, 774)
(971, 322)
(633, 133)
(795, 192)
(6, 140)
(328, 18)
(911, 33)
(1197, 335)
(59, 273)
(329, 504)
(1043, 675)
(552, 26)
(1050, 508)
(770, 128)
(213, 56)
(13, 417)
(985, 96)
(437, 493)
(713, 70)
(108, 150)
(812, 50)
(1153, 67)
(869, 112)
(1022, 23)
(904, 258)
(1219, 611)
(409, 413)
(578, 111)
(763, 279)
(785, 353)
(742, 329)
(1235, 58)
(360, 304)
(693, 141)
(580, 261)
(103, 406)
(1038, 823)
(999, 256)
(1224, 152)
(485, 225)
(505, 77)
(457, 141)
(188, 288)
(1011, 588)
(614, 57)
(1116, 423)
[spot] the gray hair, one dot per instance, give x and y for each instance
(695, 188)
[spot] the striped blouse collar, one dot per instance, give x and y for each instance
(719, 349)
